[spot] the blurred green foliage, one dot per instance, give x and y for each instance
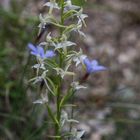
(78, 2)
(16, 31)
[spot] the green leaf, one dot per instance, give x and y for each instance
(52, 115)
(69, 14)
(66, 97)
(52, 87)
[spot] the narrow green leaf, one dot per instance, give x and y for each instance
(69, 14)
(52, 89)
(52, 115)
(66, 97)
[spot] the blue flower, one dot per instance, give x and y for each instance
(39, 51)
(93, 66)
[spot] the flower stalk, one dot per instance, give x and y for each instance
(58, 98)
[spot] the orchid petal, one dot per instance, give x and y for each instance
(32, 47)
(41, 52)
(49, 54)
(34, 53)
(99, 68)
(94, 62)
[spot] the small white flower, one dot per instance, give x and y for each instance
(76, 57)
(81, 17)
(52, 4)
(44, 20)
(64, 44)
(79, 59)
(78, 27)
(43, 100)
(69, 6)
(64, 118)
(64, 72)
(76, 86)
(39, 66)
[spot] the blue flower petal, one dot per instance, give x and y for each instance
(98, 68)
(41, 52)
(49, 54)
(34, 53)
(92, 66)
(32, 47)
(87, 62)
(94, 62)
(88, 65)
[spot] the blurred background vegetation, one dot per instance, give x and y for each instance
(110, 107)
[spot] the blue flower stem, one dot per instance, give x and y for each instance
(84, 78)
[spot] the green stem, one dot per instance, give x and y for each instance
(58, 98)
(58, 129)
(72, 111)
(62, 12)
